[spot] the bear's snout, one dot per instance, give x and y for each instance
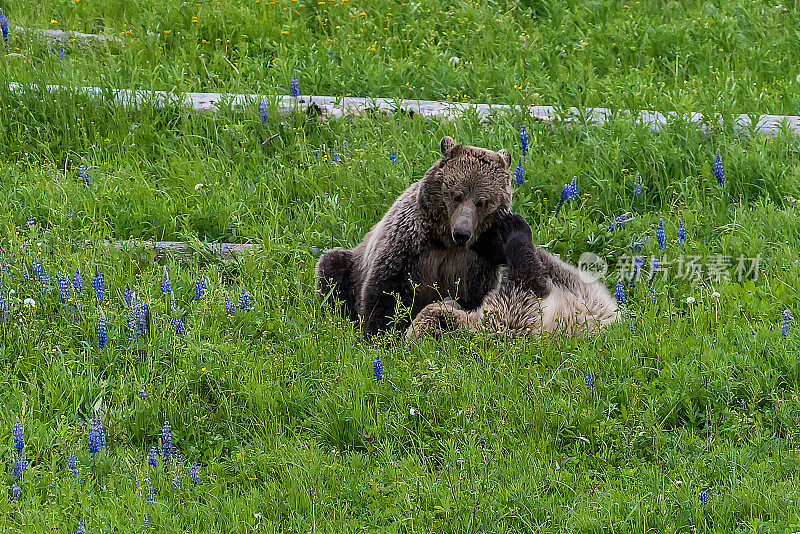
(461, 236)
(463, 223)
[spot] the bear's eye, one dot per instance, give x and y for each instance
(479, 204)
(458, 197)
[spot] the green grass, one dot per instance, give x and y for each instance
(278, 405)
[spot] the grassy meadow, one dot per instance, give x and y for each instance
(690, 422)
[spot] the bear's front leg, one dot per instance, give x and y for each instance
(489, 245)
(380, 298)
(525, 266)
(438, 318)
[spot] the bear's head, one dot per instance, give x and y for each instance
(462, 193)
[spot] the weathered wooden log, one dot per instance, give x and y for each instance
(330, 106)
(67, 35)
(182, 250)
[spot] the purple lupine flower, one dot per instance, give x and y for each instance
(618, 221)
(72, 465)
(98, 284)
(194, 473)
(637, 185)
(152, 457)
(681, 232)
(166, 287)
(102, 332)
(573, 188)
(620, 292)
(44, 278)
(176, 481)
(25, 274)
(178, 324)
(785, 322)
(80, 530)
(230, 308)
(719, 170)
(654, 267)
(97, 436)
(176, 455)
(20, 468)
(294, 85)
(262, 108)
(519, 178)
(19, 437)
(142, 392)
(131, 323)
(127, 294)
(393, 157)
(84, 175)
(138, 319)
(562, 197)
(377, 367)
(703, 496)
(638, 262)
(77, 282)
(523, 139)
(589, 380)
(16, 491)
(63, 287)
(200, 288)
(166, 441)
(335, 155)
(146, 523)
(142, 319)
(4, 25)
(3, 311)
(568, 192)
(30, 221)
(661, 237)
(148, 487)
(244, 300)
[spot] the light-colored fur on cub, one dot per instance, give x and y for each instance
(573, 304)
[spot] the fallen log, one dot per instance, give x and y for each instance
(330, 106)
(182, 250)
(66, 35)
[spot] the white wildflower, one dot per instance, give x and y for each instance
(690, 300)
(29, 302)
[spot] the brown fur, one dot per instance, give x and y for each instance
(540, 293)
(438, 240)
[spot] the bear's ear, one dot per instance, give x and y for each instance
(447, 145)
(505, 155)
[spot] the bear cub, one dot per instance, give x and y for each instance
(439, 240)
(539, 293)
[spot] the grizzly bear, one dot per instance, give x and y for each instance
(539, 293)
(438, 240)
